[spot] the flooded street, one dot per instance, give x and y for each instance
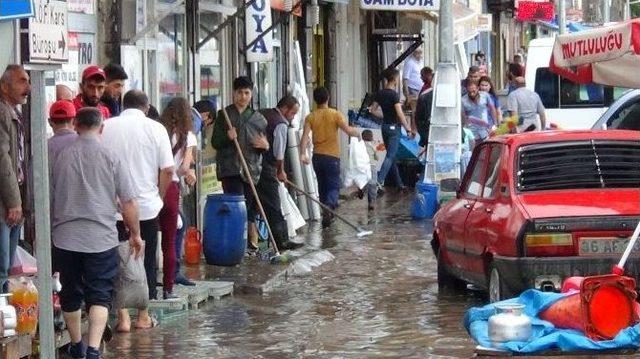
(377, 299)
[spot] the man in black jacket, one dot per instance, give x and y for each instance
(278, 120)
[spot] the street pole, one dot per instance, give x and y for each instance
(445, 109)
(606, 11)
(445, 28)
(562, 16)
(41, 214)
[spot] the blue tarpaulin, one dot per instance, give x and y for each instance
(545, 336)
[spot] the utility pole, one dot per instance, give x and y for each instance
(606, 11)
(445, 28)
(445, 111)
(562, 16)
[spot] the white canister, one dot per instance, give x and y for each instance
(509, 324)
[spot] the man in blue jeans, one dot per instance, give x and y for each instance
(14, 91)
(324, 123)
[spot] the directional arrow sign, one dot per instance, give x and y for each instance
(48, 36)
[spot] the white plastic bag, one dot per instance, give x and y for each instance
(358, 168)
(131, 290)
(23, 263)
(290, 211)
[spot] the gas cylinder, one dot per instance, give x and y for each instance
(192, 246)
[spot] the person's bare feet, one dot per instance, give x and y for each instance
(146, 322)
(123, 328)
(124, 321)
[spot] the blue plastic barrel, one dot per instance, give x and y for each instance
(225, 229)
(425, 203)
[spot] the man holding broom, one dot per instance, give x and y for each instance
(248, 127)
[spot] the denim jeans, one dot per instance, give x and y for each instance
(327, 169)
(9, 237)
(391, 137)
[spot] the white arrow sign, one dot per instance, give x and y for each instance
(48, 38)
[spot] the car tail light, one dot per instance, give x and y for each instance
(549, 244)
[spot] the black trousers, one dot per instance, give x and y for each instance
(270, 198)
(149, 234)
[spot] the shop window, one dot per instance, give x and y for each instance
(170, 62)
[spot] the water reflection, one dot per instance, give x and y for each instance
(377, 299)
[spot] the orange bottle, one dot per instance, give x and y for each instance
(25, 300)
(192, 246)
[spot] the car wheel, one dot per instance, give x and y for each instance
(445, 279)
(497, 289)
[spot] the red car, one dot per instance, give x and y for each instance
(536, 208)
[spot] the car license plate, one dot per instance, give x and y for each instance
(592, 246)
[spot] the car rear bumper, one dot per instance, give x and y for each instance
(523, 273)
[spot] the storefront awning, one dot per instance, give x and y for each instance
(465, 23)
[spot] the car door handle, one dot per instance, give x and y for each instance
(467, 206)
(488, 210)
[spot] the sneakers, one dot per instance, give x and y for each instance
(93, 353)
(77, 350)
(182, 280)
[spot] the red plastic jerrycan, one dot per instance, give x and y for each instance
(192, 246)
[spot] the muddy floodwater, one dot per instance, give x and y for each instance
(377, 299)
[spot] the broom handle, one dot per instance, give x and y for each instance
(627, 251)
(253, 187)
(322, 205)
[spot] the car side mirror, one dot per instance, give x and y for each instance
(450, 185)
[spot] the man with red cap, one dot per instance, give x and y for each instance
(61, 116)
(94, 82)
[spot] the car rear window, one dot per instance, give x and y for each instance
(575, 165)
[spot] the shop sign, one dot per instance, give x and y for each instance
(485, 22)
(81, 6)
(401, 5)
(132, 64)
(533, 10)
(48, 40)
(258, 19)
(16, 9)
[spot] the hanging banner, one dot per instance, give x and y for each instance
(258, 19)
(401, 5)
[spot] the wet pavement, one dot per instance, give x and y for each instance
(377, 299)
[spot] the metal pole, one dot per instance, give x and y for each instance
(40, 165)
(445, 27)
(562, 16)
(606, 11)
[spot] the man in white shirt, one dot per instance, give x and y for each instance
(143, 144)
(411, 79)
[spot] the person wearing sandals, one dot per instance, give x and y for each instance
(143, 144)
(176, 118)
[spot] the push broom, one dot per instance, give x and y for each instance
(361, 231)
(277, 258)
